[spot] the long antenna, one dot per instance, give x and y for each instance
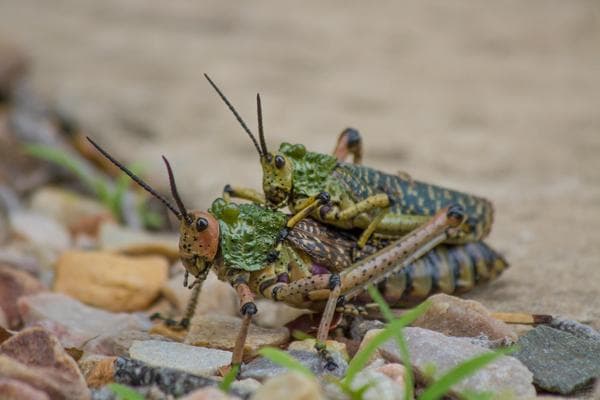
(261, 133)
(175, 194)
(135, 178)
(236, 114)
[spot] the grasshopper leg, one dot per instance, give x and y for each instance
(308, 206)
(190, 309)
(247, 309)
(349, 142)
(243, 193)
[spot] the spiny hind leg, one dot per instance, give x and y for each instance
(349, 142)
(243, 193)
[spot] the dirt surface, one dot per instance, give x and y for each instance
(501, 99)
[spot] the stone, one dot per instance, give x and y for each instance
(290, 386)
(12, 389)
(97, 370)
(209, 393)
(273, 314)
(216, 297)
(309, 345)
(192, 359)
(13, 285)
(117, 238)
(37, 358)
(262, 368)
(48, 236)
(505, 375)
(381, 386)
(575, 328)
(464, 318)
(80, 214)
(74, 323)
(111, 281)
(220, 332)
(170, 381)
(560, 361)
(118, 343)
(360, 327)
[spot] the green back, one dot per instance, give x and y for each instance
(248, 233)
(311, 170)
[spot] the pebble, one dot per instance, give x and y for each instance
(118, 344)
(191, 359)
(290, 386)
(12, 389)
(261, 368)
(463, 318)
(216, 297)
(170, 381)
(504, 375)
(13, 285)
(117, 238)
(73, 322)
(560, 361)
(209, 393)
(111, 281)
(97, 370)
(40, 230)
(273, 314)
(309, 345)
(80, 214)
(382, 387)
(220, 332)
(37, 358)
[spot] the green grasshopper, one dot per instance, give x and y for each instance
(352, 195)
(236, 241)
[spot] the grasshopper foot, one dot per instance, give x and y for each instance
(330, 364)
(180, 325)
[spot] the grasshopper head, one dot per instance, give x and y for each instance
(277, 168)
(198, 242)
(199, 230)
(277, 178)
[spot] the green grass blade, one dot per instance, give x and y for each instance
(362, 357)
(409, 377)
(65, 160)
(284, 359)
(441, 386)
(229, 378)
(124, 392)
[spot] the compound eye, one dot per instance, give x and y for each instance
(201, 224)
(279, 162)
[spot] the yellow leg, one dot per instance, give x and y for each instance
(366, 234)
(243, 193)
(380, 200)
(309, 205)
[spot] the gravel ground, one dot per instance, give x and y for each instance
(496, 98)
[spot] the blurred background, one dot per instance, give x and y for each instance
(501, 99)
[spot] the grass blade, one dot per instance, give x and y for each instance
(362, 357)
(229, 378)
(124, 392)
(284, 359)
(409, 377)
(441, 386)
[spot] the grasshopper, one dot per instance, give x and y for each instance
(352, 195)
(236, 241)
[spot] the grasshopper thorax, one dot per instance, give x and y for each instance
(198, 242)
(277, 178)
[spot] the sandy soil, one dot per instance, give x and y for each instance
(499, 98)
